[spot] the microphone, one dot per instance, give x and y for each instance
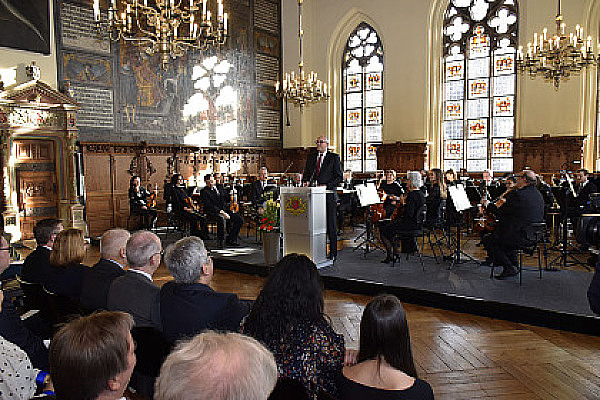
(288, 167)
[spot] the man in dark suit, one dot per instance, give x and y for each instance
(325, 168)
(524, 207)
(215, 209)
(188, 305)
(12, 327)
(36, 267)
(583, 189)
(259, 189)
(135, 292)
(97, 280)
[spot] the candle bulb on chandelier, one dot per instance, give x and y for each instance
(97, 10)
(225, 18)
(204, 10)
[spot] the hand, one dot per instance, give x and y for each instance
(144, 208)
(225, 215)
(351, 356)
(261, 210)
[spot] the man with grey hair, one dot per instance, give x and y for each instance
(410, 220)
(188, 305)
(134, 292)
(217, 366)
(97, 280)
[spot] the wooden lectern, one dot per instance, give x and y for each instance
(304, 223)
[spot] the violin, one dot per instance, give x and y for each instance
(153, 197)
(378, 212)
(486, 221)
(234, 205)
(399, 210)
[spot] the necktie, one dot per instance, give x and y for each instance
(319, 163)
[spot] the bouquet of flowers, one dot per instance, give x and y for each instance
(270, 219)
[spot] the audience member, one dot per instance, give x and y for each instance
(113, 259)
(93, 357)
(385, 366)
(134, 292)
(66, 273)
(189, 305)
(217, 366)
(288, 318)
(12, 327)
(36, 267)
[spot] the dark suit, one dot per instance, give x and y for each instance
(137, 295)
(97, 281)
(66, 281)
(188, 309)
(523, 207)
(36, 267)
(214, 203)
(13, 330)
(180, 199)
(583, 195)
(330, 174)
(257, 193)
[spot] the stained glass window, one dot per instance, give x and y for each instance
(362, 98)
(480, 41)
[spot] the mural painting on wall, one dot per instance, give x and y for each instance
(25, 25)
(80, 67)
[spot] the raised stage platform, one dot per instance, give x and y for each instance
(558, 300)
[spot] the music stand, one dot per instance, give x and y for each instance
(461, 202)
(367, 196)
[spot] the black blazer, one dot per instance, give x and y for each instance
(178, 198)
(13, 330)
(96, 282)
(138, 200)
(523, 207)
(330, 174)
(137, 295)
(212, 200)
(583, 195)
(66, 281)
(187, 309)
(36, 267)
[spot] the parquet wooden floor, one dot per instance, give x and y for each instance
(464, 356)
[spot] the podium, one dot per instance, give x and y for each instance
(304, 222)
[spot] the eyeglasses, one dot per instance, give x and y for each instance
(321, 141)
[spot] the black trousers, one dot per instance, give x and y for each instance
(234, 224)
(148, 216)
(499, 253)
(331, 210)
(197, 224)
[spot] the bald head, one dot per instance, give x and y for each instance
(112, 244)
(143, 251)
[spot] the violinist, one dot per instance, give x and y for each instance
(184, 208)
(453, 218)
(584, 188)
(216, 210)
(488, 187)
(391, 190)
(437, 192)
(259, 188)
(413, 202)
(139, 197)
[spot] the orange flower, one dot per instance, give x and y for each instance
(264, 219)
(270, 228)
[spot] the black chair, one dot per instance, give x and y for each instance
(434, 221)
(411, 235)
(151, 350)
(288, 389)
(62, 309)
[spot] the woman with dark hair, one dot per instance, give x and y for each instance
(68, 251)
(138, 202)
(287, 317)
(183, 207)
(385, 368)
(438, 192)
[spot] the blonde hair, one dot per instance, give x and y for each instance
(68, 248)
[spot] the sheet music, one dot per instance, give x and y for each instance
(367, 194)
(459, 197)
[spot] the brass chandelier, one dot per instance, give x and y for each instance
(302, 88)
(558, 57)
(166, 27)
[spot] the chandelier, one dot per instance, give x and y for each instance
(165, 27)
(301, 88)
(557, 57)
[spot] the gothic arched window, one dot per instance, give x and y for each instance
(362, 98)
(480, 41)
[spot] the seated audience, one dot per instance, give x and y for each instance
(113, 259)
(288, 318)
(217, 366)
(385, 368)
(135, 292)
(188, 305)
(67, 271)
(93, 357)
(36, 267)
(12, 327)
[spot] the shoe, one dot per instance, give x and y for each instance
(506, 273)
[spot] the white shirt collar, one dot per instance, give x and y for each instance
(114, 262)
(49, 248)
(147, 275)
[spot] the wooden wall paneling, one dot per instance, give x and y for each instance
(401, 156)
(547, 153)
(99, 197)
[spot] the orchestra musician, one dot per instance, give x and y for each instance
(523, 207)
(392, 190)
(437, 192)
(414, 202)
(259, 188)
(348, 182)
(183, 207)
(216, 210)
(452, 216)
(139, 198)
(325, 168)
(348, 202)
(221, 186)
